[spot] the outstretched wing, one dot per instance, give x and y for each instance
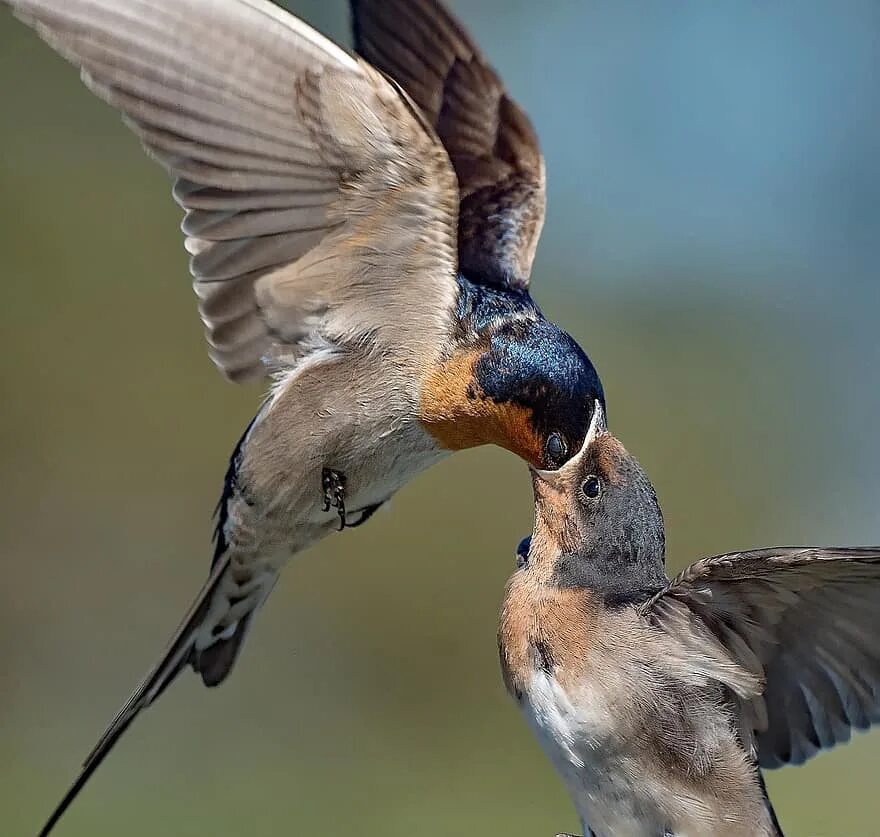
(805, 623)
(490, 141)
(319, 205)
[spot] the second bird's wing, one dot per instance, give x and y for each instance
(803, 624)
(490, 140)
(320, 207)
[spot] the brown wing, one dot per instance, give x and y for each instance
(490, 141)
(318, 204)
(806, 621)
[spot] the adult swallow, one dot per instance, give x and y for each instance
(658, 701)
(362, 236)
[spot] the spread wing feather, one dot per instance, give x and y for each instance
(280, 144)
(804, 623)
(490, 140)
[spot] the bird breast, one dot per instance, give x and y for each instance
(640, 749)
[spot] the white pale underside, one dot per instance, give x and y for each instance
(616, 792)
(577, 740)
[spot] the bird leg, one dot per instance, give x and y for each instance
(333, 484)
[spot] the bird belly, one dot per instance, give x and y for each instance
(580, 742)
(387, 459)
(618, 783)
(347, 414)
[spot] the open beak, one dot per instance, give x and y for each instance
(552, 490)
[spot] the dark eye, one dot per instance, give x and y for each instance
(555, 450)
(592, 487)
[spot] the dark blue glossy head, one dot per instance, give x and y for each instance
(512, 379)
(532, 364)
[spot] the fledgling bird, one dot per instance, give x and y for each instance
(658, 701)
(363, 236)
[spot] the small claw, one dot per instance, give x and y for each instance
(327, 486)
(340, 510)
(333, 485)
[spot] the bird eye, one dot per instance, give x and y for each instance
(592, 487)
(555, 450)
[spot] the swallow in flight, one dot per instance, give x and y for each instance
(361, 232)
(659, 702)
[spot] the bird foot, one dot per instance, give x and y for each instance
(333, 484)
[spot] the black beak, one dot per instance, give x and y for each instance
(522, 552)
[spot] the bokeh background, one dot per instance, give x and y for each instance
(712, 240)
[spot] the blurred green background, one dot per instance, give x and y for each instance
(712, 240)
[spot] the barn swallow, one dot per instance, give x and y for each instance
(658, 701)
(361, 231)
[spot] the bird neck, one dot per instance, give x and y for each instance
(619, 578)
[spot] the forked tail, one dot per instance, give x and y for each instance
(206, 639)
(210, 635)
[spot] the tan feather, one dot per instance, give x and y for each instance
(491, 142)
(278, 140)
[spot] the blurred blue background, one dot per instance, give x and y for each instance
(712, 240)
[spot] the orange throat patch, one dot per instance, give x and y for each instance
(543, 627)
(458, 414)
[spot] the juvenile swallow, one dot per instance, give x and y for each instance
(657, 701)
(363, 237)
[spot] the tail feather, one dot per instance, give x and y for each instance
(179, 653)
(769, 804)
(216, 661)
(208, 638)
